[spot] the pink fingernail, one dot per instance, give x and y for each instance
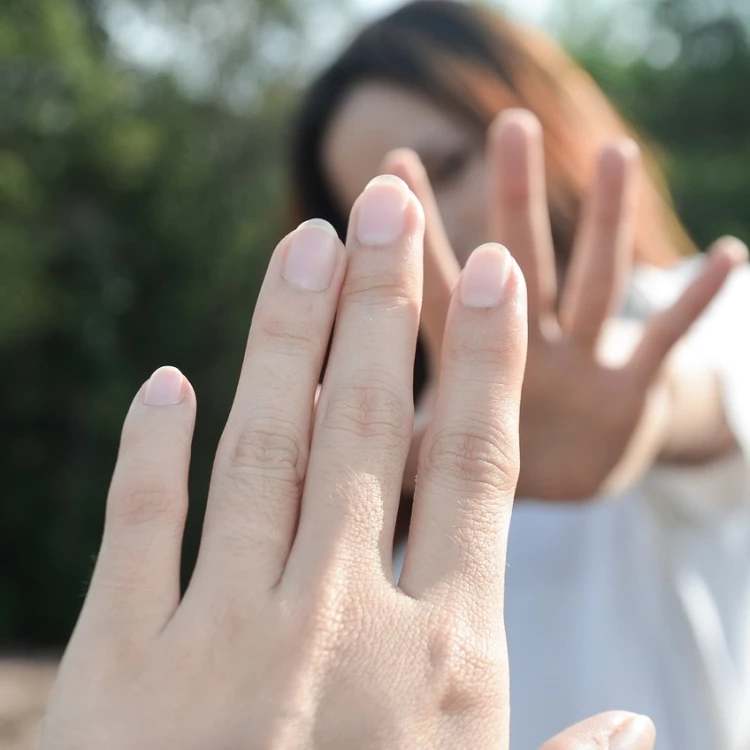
(632, 733)
(484, 278)
(381, 212)
(736, 248)
(165, 387)
(311, 256)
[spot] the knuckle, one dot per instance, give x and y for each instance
(273, 449)
(384, 287)
(488, 352)
(467, 674)
(290, 335)
(241, 540)
(476, 456)
(147, 504)
(370, 409)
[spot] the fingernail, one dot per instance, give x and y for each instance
(381, 213)
(631, 734)
(736, 248)
(164, 387)
(521, 120)
(484, 276)
(311, 256)
(628, 147)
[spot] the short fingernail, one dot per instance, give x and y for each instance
(631, 734)
(165, 388)
(311, 256)
(381, 213)
(628, 147)
(736, 248)
(521, 120)
(484, 277)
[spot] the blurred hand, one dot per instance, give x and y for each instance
(612, 731)
(292, 633)
(596, 404)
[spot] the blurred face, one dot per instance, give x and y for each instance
(377, 118)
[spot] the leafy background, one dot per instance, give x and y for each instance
(142, 187)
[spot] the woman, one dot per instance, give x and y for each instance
(650, 591)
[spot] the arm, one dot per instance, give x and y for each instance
(698, 430)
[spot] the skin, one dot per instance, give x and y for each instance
(603, 401)
(378, 118)
(292, 633)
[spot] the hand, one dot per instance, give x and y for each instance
(292, 633)
(613, 731)
(587, 424)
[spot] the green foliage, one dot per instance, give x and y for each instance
(696, 110)
(135, 224)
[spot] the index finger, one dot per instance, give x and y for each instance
(441, 267)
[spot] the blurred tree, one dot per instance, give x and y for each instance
(684, 79)
(135, 223)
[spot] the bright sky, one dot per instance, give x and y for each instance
(535, 11)
(143, 40)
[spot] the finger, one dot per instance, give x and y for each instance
(260, 465)
(441, 267)
(363, 422)
(136, 584)
(603, 253)
(616, 731)
(519, 216)
(669, 326)
(469, 462)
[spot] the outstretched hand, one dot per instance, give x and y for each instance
(596, 404)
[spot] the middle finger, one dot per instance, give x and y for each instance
(364, 419)
(519, 215)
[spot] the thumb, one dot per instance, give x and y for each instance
(615, 731)
(441, 268)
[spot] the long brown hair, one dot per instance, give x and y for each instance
(474, 62)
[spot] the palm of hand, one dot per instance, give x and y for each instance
(578, 417)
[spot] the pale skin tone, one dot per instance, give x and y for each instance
(603, 401)
(292, 633)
